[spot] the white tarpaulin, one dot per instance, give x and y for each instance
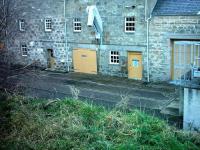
(94, 20)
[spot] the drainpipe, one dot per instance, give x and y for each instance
(147, 21)
(148, 72)
(65, 34)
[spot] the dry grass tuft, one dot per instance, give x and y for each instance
(71, 124)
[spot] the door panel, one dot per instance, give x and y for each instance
(85, 61)
(135, 65)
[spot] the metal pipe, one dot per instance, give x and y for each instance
(148, 70)
(65, 28)
(147, 21)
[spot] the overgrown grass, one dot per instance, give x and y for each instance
(72, 124)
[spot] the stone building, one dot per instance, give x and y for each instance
(174, 34)
(38, 34)
(137, 40)
(118, 41)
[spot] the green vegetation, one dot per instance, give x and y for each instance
(71, 124)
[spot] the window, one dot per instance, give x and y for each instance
(22, 25)
(77, 25)
(114, 57)
(24, 50)
(130, 24)
(48, 25)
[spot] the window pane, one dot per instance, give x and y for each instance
(130, 24)
(77, 24)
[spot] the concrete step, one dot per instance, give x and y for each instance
(171, 112)
(174, 104)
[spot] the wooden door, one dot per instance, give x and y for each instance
(135, 65)
(85, 61)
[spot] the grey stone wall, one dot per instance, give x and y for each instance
(35, 37)
(164, 29)
(113, 14)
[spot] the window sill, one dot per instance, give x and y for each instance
(130, 32)
(114, 63)
(77, 31)
(48, 30)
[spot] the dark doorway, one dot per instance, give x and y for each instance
(50, 59)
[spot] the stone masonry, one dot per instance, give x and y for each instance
(163, 31)
(36, 38)
(113, 14)
(62, 39)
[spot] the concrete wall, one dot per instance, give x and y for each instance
(163, 29)
(191, 117)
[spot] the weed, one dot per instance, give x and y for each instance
(72, 124)
(75, 92)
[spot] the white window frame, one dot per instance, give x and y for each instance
(24, 50)
(48, 24)
(114, 57)
(77, 28)
(133, 21)
(22, 25)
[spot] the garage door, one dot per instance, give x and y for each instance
(186, 54)
(85, 61)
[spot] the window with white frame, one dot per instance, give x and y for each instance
(48, 24)
(22, 25)
(130, 24)
(114, 57)
(77, 25)
(24, 50)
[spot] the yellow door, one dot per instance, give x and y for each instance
(85, 61)
(135, 65)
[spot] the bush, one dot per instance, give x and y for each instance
(72, 124)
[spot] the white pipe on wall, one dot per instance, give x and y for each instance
(148, 71)
(147, 21)
(65, 28)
